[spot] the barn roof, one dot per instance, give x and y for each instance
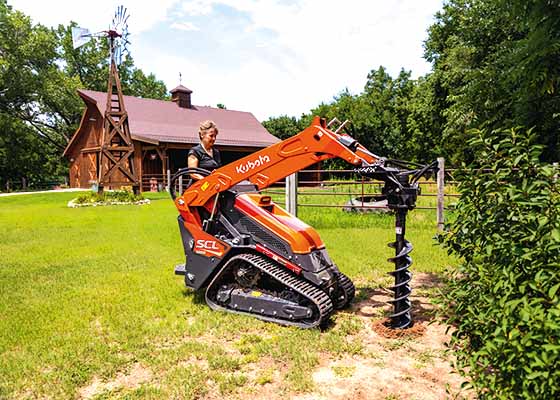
(156, 121)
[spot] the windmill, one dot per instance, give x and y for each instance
(116, 155)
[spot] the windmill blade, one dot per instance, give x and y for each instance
(125, 21)
(80, 36)
(118, 13)
(119, 34)
(115, 17)
(120, 17)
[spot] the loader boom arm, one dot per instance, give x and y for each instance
(267, 166)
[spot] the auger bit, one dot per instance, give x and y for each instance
(401, 190)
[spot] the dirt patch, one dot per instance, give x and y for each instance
(414, 367)
(134, 378)
(397, 364)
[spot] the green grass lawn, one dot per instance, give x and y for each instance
(88, 293)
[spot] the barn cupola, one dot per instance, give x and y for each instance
(182, 96)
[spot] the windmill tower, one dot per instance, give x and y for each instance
(116, 156)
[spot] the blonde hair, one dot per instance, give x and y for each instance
(206, 126)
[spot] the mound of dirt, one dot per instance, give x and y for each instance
(383, 328)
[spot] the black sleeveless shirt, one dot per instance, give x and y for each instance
(204, 160)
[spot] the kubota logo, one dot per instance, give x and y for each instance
(249, 165)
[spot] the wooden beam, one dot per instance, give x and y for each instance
(95, 149)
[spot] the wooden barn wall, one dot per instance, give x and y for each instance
(83, 156)
(84, 163)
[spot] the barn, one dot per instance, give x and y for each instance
(162, 133)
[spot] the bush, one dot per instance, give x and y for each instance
(116, 196)
(503, 298)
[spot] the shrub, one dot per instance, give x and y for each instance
(503, 298)
(116, 196)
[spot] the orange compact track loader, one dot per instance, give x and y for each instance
(253, 257)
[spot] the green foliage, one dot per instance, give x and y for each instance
(496, 63)
(425, 122)
(379, 115)
(504, 300)
(39, 107)
(24, 156)
(116, 196)
(283, 127)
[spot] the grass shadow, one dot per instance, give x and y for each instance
(428, 280)
(197, 296)
(371, 297)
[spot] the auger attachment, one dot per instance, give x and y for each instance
(401, 198)
(401, 190)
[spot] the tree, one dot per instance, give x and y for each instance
(24, 159)
(30, 142)
(425, 121)
(497, 61)
(40, 73)
(283, 126)
(379, 116)
(29, 73)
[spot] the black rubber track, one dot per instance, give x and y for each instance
(321, 301)
(348, 289)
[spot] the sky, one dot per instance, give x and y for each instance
(268, 57)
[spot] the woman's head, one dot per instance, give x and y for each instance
(207, 133)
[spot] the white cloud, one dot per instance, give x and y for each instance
(324, 47)
(197, 7)
(94, 15)
(285, 57)
(184, 26)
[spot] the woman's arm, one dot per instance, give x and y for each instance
(192, 162)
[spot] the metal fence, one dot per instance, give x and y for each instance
(441, 188)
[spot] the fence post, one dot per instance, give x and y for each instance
(180, 185)
(440, 192)
(291, 194)
(168, 180)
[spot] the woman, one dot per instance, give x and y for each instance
(204, 155)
